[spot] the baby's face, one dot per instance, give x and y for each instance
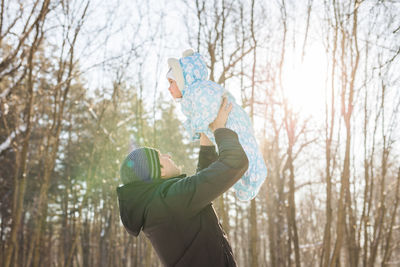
(173, 89)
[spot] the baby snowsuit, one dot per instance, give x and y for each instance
(200, 103)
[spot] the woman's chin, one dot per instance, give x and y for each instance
(178, 170)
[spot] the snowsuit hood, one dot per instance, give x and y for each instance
(194, 72)
(188, 70)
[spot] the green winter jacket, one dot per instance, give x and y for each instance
(176, 214)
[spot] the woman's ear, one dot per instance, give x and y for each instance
(162, 169)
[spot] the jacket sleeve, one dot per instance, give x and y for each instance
(207, 155)
(193, 193)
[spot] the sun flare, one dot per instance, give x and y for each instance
(304, 82)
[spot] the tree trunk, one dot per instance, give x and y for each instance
(254, 251)
(21, 166)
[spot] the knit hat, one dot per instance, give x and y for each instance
(170, 75)
(142, 164)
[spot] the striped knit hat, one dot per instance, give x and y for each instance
(142, 164)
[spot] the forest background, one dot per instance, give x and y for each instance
(82, 82)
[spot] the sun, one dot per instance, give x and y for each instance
(304, 82)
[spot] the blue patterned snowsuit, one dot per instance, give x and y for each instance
(201, 100)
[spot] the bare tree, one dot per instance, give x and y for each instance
(21, 155)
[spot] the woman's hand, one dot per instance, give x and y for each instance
(222, 116)
(204, 140)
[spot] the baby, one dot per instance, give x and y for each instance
(200, 101)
